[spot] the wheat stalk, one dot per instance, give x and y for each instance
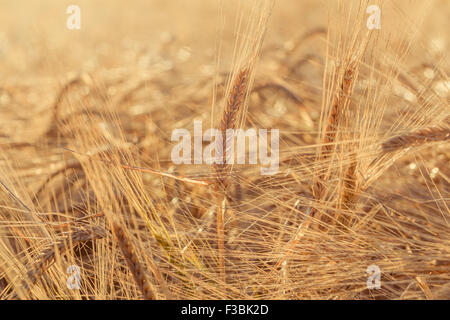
(319, 190)
(229, 117)
(133, 262)
(328, 142)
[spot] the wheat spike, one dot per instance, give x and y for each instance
(235, 101)
(337, 109)
(418, 137)
(133, 262)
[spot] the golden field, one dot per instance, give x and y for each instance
(92, 205)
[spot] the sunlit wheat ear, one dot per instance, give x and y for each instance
(418, 137)
(47, 258)
(133, 262)
(229, 117)
(337, 110)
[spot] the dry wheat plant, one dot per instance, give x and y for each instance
(87, 180)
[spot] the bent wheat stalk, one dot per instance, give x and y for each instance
(16, 198)
(146, 170)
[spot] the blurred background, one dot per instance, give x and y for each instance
(34, 38)
(38, 51)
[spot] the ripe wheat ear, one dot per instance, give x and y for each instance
(418, 137)
(133, 262)
(229, 117)
(328, 146)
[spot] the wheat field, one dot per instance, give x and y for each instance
(93, 206)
